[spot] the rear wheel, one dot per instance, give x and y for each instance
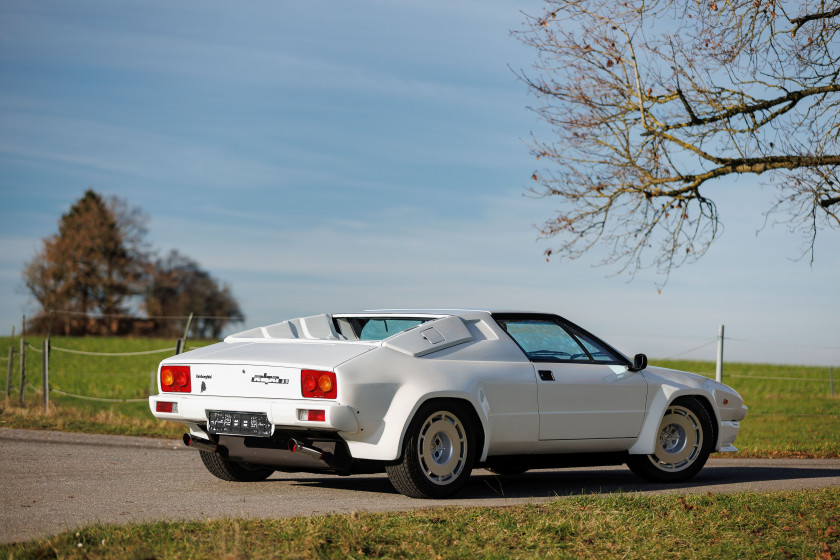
(438, 453)
(683, 444)
(232, 471)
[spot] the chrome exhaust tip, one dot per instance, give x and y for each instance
(297, 447)
(201, 444)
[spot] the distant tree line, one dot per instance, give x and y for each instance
(97, 274)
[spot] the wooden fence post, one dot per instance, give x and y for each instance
(11, 364)
(719, 366)
(46, 361)
(23, 363)
(186, 334)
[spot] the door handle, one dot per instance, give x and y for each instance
(546, 374)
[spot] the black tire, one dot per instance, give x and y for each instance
(232, 471)
(438, 452)
(683, 444)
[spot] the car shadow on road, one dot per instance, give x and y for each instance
(590, 481)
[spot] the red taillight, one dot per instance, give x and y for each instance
(165, 407)
(317, 416)
(175, 379)
(316, 384)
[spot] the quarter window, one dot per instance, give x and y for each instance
(598, 352)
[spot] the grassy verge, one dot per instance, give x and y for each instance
(121, 378)
(747, 525)
(790, 416)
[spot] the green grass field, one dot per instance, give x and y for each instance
(747, 525)
(791, 411)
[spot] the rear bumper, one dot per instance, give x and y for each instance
(192, 409)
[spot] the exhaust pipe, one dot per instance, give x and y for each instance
(297, 447)
(200, 443)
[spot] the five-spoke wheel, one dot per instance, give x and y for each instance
(438, 453)
(684, 441)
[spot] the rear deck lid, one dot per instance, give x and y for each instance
(262, 369)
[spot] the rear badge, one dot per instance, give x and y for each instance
(265, 378)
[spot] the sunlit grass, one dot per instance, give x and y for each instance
(803, 524)
(122, 378)
(793, 415)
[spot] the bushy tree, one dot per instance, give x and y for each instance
(98, 267)
(179, 286)
(652, 100)
(93, 265)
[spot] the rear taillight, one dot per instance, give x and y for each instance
(316, 384)
(175, 379)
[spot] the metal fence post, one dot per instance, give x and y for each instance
(11, 364)
(23, 363)
(719, 367)
(45, 344)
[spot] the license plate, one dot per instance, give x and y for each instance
(238, 423)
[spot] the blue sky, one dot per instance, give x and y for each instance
(336, 156)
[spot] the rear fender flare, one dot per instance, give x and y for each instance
(475, 405)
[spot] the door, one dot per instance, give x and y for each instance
(584, 390)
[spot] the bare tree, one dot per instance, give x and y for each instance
(651, 100)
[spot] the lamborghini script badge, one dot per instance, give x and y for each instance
(265, 378)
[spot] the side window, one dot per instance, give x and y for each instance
(544, 340)
(598, 352)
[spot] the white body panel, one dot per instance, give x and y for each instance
(463, 355)
(590, 401)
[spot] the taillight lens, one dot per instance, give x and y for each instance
(169, 407)
(175, 379)
(316, 384)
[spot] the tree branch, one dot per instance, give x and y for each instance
(800, 21)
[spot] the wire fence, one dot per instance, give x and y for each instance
(44, 353)
(47, 353)
(111, 354)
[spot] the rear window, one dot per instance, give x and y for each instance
(380, 328)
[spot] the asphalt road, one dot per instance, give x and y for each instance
(53, 481)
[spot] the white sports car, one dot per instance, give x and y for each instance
(428, 395)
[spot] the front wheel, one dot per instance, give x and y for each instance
(438, 453)
(233, 471)
(684, 442)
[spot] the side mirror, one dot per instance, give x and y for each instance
(639, 362)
